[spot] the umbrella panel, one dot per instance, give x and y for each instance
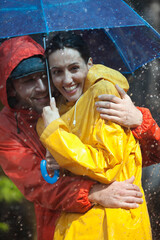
(124, 49)
(22, 17)
(87, 14)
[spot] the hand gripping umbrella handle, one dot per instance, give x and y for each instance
(45, 175)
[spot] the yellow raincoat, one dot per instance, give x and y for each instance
(83, 143)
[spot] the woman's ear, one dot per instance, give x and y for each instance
(90, 63)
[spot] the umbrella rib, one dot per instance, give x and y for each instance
(44, 16)
(119, 50)
(145, 22)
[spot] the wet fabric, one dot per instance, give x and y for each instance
(113, 26)
(21, 151)
(149, 136)
(83, 143)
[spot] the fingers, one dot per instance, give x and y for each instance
(132, 193)
(121, 91)
(130, 180)
(110, 112)
(51, 162)
(130, 202)
(130, 186)
(52, 103)
(46, 109)
(51, 107)
(109, 98)
(106, 105)
(111, 118)
(108, 108)
(127, 206)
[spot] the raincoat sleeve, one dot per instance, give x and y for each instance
(148, 134)
(22, 166)
(93, 147)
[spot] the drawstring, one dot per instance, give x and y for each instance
(74, 120)
(18, 130)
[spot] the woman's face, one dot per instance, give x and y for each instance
(68, 71)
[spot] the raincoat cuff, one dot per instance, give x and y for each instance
(83, 195)
(146, 125)
(51, 128)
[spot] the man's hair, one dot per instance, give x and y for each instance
(12, 101)
(69, 40)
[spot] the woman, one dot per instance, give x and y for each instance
(84, 144)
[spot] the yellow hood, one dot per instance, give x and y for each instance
(98, 72)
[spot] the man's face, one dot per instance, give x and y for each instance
(32, 91)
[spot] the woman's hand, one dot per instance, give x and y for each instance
(119, 110)
(50, 113)
(117, 194)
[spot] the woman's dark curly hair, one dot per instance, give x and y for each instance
(69, 40)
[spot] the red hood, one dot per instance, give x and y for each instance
(12, 52)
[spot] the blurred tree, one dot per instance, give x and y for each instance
(17, 219)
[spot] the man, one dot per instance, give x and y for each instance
(24, 93)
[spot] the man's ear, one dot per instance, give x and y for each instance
(90, 63)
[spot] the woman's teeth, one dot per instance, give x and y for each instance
(69, 89)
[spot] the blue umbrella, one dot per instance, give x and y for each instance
(118, 37)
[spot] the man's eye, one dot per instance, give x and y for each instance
(27, 80)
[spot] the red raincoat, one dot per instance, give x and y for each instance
(21, 153)
(149, 137)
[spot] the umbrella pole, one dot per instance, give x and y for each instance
(43, 164)
(47, 69)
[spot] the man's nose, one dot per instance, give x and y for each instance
(41, 84)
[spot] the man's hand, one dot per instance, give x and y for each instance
(51, 163)
(50, 113)
(117, 194)
(119, 110)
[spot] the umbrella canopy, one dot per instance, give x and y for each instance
(121, 39)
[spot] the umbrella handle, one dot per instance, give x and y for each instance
(45, 175)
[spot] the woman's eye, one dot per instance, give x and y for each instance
(56, 72)
(75, 68)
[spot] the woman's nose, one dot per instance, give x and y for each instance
(67, 77)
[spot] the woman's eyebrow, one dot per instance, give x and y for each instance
(56, 67)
